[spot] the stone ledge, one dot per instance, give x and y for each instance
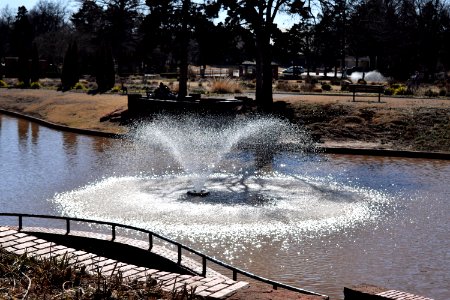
(372, 292)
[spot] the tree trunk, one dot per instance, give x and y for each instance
(182, 91)
(263, 94)
(267, 97)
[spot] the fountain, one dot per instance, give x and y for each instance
(199, 143)
(371, 76)
(314, 221)
(268, 197)
(256, 172)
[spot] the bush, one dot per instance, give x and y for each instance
(430, 93)
(402, 90)
(307, 87)
(115, 89)
(285, 86)
(79, 86)
(397, 89)
(3, 84)
(335, 82)
(35, 85)
(20, 85)
(442, 92)
(225, 86)
(198, 91)
(250, 85)
(389, 91)
(311, 80)
(326, 87)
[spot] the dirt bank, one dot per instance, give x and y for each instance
(72, 109)
(393, 123)
(334, 120)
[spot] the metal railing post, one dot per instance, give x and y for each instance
(179, 254)
(67, 226)
(204, 266)
(234, 275)
(150, 241)
(113, 232)
(20, 223)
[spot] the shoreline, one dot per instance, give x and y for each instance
(325, 149)
(401, 127)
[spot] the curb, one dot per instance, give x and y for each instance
(386, 152)
(62, 127)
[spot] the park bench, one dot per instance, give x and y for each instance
(366, 88)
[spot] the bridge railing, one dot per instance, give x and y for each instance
(151, 235)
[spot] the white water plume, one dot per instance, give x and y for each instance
(198, 144)
(372, 76)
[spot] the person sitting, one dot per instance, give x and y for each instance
(162, 92)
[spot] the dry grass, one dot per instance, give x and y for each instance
(25, 277)
(225, 86)
(73, 109)
(286, 86)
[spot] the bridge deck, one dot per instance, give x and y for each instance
(213, 286)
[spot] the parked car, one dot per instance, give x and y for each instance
(292, 71)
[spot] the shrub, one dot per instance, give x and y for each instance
(225, 86)
(198, 91)
(402, 90)
(285, 86)
(79, 86)
(115, 89)
(307, 87)
(20, 85)
(335, 82)
(389, 91)
(442, 92)
(3, 84)
(397, 89)
(35, 85)
(311, 80)
(430, 93)
(326, 87)
(250, 85)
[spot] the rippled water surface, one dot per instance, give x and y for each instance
(320, 222)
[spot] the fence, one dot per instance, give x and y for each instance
(151, 235)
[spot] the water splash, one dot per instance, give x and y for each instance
(372, 76)
(199, 143)
(255, 168)
(242, 206)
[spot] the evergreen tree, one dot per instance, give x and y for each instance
(69, 75)
(35, 71)
(105, 75)
(22, 39)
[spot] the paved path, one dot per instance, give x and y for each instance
(398, 295)
(213, 286)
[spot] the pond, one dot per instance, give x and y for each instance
(318, 222)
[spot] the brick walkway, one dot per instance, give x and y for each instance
(213, 286)
(398, 295)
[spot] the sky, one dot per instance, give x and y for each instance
(14, 4)
(29, 4)
(283, 21)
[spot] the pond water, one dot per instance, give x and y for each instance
(320, 222)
